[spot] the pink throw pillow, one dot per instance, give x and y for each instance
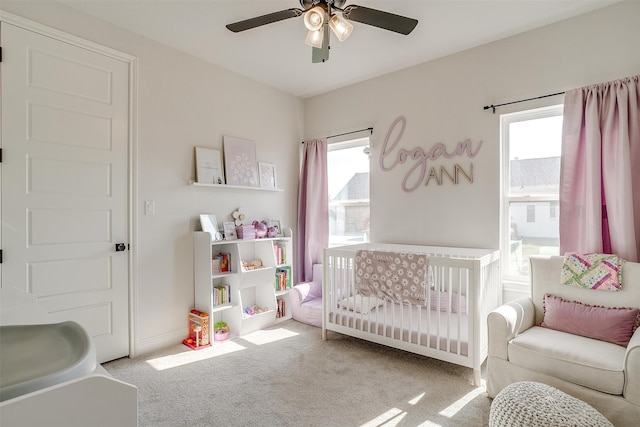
(611, 324)
(315, 291)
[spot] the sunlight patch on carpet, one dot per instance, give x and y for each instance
(383, 418)
(429, 424)
(455, 407)
(416, 399)
(268, 336)
(191, 356)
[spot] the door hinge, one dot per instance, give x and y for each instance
(0, 155)
(0, 256)
(0, 53)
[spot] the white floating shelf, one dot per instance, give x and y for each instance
(237, 187)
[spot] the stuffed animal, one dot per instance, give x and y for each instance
(261, 229)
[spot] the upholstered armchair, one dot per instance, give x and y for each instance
(595, 363)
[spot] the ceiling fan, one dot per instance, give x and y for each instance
(320, 15)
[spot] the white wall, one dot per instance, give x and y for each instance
(442, 101)
(184, 102)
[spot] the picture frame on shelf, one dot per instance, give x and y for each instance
(209, 168)
(240, 162)
(209, 223)
(267, 173)
(275, 223)
(229, 228)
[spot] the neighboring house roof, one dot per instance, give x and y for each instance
(357, 188)
(535, 174)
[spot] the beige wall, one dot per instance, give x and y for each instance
(184, 102)
(442, 101)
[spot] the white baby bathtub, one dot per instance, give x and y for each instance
(49, 372)
(33, 357)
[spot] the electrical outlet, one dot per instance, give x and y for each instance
(149, 208)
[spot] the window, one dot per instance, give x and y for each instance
(348, 176)
(531, 147)
(531, 213)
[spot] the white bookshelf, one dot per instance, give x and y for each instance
(246, 287)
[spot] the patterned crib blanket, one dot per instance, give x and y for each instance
(592, 271)
(395, 276)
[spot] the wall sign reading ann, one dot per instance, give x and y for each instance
(417, 173)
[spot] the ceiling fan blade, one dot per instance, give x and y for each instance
(321, 55)
(270, 18)
(380, 19)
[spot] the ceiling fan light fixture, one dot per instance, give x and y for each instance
(314, 18)
(341, 27)
(315, 38)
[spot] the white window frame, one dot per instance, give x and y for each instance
(342, 144)
(518, 283)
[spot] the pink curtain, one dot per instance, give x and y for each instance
(600, 172)
(313, 208)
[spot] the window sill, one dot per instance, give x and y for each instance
(513, 288)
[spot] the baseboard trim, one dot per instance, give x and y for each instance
(149, 345)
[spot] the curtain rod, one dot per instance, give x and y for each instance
(493, 107)
(349, 133)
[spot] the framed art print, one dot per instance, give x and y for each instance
(209, 168)
(240, 162)
(209, 223)
(229, 228)
(267, 172)
(275, 223)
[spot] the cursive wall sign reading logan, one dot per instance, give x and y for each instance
(415, 176)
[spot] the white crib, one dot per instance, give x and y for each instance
(452, 323)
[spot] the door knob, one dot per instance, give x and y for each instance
(121, 247)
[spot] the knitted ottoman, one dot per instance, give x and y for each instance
(534, 404)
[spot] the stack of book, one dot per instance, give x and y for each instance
(281, 312)
(279, 250)
(221, 294)
(220, 263)
(283, 278)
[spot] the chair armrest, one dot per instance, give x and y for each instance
(507, 321)
(631, 389)
(299, 292)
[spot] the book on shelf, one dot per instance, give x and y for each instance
(280, 252)
(283, 278)
(221, 294)
(221, 263)
(281, 312)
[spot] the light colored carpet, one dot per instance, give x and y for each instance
(287, 376)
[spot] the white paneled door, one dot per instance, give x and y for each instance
(65, 140)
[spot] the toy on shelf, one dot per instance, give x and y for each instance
(261, 229)
(198, 330)
(245, 232)
(220, 331)
(253, 265)
(239, 217)
(251, 310)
